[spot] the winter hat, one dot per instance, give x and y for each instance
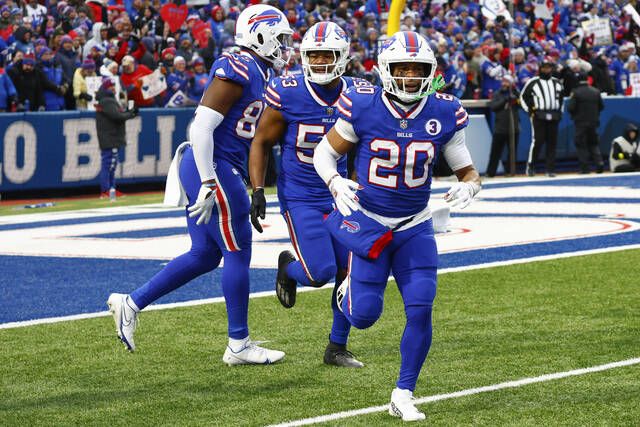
(43, 52)
(107, 83)
(128, 59)
(168, 51)
(65, 39)
(198, 61)
(107, 62)
(88, 64)
(29, 59)
(627, 46)
(179, 59)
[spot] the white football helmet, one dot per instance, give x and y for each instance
(406, 46)
(325, 36)
(265, 30)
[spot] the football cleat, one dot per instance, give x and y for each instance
(402, 406)
(125, 317)
(339, 356)
(285, 286)
(251, 354)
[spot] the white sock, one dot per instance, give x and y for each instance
(237, 345)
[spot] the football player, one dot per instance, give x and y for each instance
(211, 173)
(300, 110)
(399, 131)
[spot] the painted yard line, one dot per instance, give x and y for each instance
(463, 393)
(538, 258)
(21, 324)
(153, 307)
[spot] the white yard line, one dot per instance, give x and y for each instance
(34, 322)
(463, 393)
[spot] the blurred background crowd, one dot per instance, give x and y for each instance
(48, 48)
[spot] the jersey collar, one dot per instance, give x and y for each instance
(399, 113)
(316, 96)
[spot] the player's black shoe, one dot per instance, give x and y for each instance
(285, 286)
(338, 355)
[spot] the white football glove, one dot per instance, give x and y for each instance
(203, 205)
(343, 191)
(461, 194)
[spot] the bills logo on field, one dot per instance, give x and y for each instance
(433, 126)
(350, 226)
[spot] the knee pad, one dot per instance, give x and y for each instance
(322, 274)
(366, 310)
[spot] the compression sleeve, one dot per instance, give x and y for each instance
(456, 152)
(205, 121)
(325, 160)
(345, 130)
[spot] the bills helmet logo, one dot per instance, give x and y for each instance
(267, 17)
(340, 33)
(350, 226)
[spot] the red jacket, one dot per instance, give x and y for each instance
(132, 83)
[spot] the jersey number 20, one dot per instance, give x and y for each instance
(392, 160)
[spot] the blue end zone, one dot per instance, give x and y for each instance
(41, 287)
(51, 286)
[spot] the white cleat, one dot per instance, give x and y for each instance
(125, 317)
(252, 354)
(402, 406)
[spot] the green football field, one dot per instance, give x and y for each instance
(490, 326)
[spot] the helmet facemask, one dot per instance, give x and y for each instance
(278, 51)
(324, 73)
(397, 86)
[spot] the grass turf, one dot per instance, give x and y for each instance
(490, 325)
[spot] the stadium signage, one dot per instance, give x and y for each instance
(47, 150)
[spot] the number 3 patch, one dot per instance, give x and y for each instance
(433, 127)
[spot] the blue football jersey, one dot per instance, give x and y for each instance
(232, 138)
(396, 148)
(310, 111)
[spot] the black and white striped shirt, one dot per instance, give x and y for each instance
(542, 95)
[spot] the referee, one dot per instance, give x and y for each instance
(541, 97)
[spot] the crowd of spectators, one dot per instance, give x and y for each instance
(49, 47)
